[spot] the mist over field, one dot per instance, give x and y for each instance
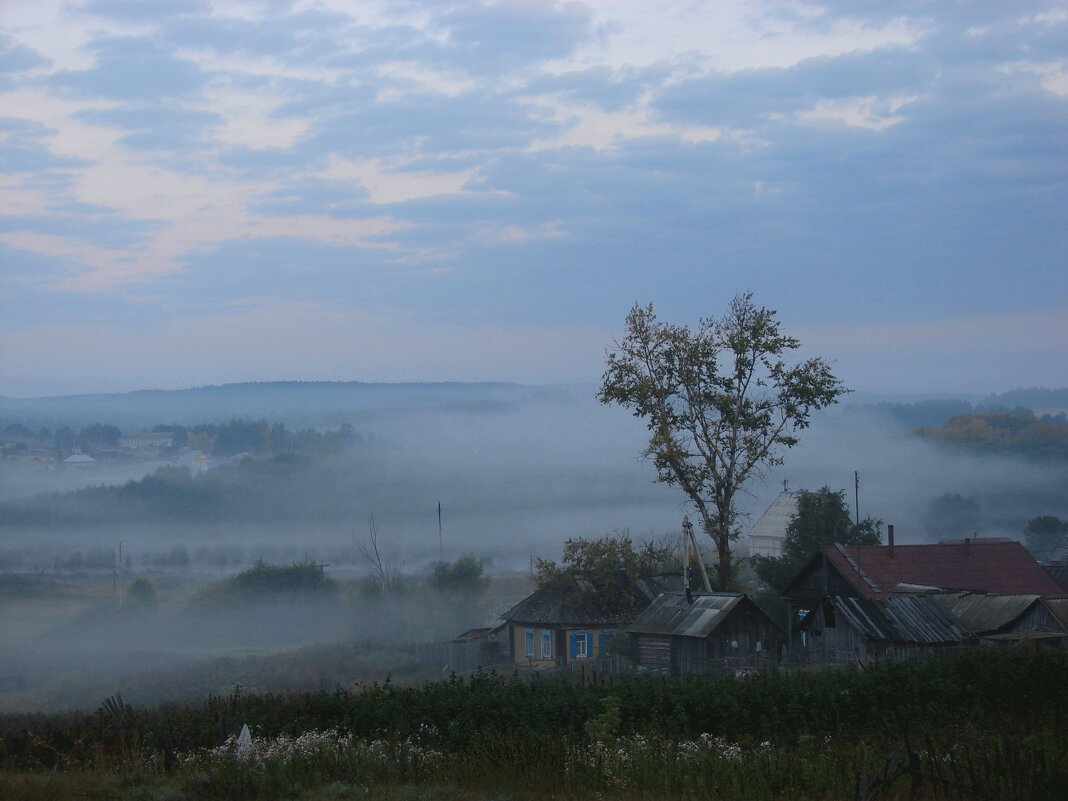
(517, 469)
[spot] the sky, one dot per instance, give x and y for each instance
(196, 192)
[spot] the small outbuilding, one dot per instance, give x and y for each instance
(846, 629)
(703, 632)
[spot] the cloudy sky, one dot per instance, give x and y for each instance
(197, 191)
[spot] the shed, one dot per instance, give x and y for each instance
(707, 631)
(849, 629)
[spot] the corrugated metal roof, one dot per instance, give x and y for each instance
(671, 614)
(1058, 607)
(906, 619)
(982, 613)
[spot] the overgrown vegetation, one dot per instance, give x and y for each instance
(984, 725)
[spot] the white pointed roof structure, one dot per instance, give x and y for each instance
(767, 536)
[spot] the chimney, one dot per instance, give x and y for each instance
(890, 539)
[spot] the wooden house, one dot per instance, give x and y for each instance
(876, 572)
(703, 632)
(571, 622)
(847, 629)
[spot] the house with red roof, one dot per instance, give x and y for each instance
(878, 572)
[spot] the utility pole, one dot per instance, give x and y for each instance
(687, 528)
(856, 495)
(686, 559)
(441, 537)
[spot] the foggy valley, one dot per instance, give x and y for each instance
(518, 470)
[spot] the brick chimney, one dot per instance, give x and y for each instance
(890, 539)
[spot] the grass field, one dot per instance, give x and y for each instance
(984, 725)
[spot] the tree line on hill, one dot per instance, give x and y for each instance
(215, 439)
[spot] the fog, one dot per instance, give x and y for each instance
(517, 471)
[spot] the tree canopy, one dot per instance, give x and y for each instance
(610, 566)
(822, 518)
(721, 402)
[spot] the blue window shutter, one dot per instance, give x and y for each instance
(602, 641)
(574, 645)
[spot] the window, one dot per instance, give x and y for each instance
(528, 644)
(546, 644)
(582, 649)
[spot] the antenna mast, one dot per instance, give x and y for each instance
(441, 538)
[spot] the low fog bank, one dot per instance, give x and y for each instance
(900, 474)
(517, 471)
(69, 641)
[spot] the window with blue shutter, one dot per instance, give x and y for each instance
(528, 644)
(602, 641)
(546, 644)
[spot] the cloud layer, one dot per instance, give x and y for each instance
(472, 174)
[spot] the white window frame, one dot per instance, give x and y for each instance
(546, 644)
(582, 646)
(528, 644)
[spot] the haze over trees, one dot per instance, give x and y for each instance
(1045, 535)
(952, 516)
(822, 519)
(721, 403)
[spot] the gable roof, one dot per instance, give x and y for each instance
(982, 565)
(576, 602)
(983, 614)
(912, 619)
(672, 615)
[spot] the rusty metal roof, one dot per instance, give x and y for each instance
(999, 566)
(672, 615)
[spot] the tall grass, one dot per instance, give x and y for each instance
(986, 725)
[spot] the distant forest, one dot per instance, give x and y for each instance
(281, 487)
(222, 440)
(1004, 433)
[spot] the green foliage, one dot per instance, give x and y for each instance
(983, 725)
(464, 576)
(1045, 535)
(952, 516)
(266, 582)
(610, 566)
(720, 402)
(604, 728)
(1002, 432)
(822, 518)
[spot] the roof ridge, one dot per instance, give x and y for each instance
(856, 566)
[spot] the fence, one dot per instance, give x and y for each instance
(464, 656)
